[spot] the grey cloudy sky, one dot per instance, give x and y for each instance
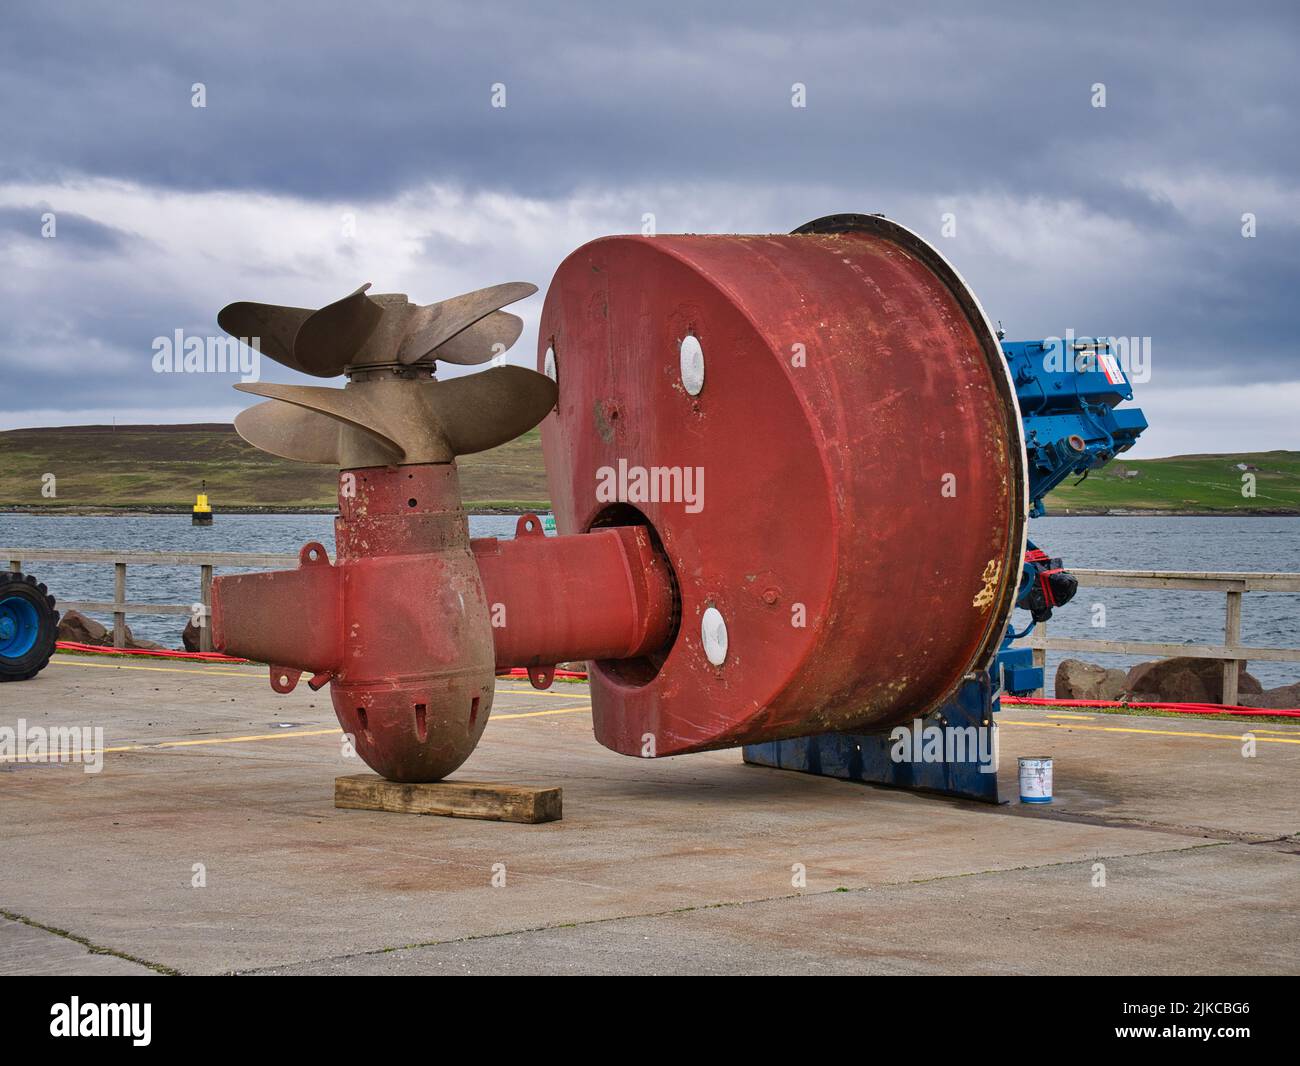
(1124, 220)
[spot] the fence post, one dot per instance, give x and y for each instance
(205, 597)
(119, 599)
(1040, 655)
(1232, 638)
(15, 565)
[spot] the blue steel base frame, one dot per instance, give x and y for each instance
(868, 758)
(871, 758)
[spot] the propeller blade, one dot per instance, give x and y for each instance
(480, 411)
(290, 432)
(392, 421)
(330, 338)
(268, 328)
(388, 416)
(488, 337)
(343, 405)
(434, 324)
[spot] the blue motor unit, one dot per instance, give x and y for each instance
(1069, 392)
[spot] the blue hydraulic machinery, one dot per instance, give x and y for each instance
(1069, 391)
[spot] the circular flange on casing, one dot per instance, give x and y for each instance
(845, 488)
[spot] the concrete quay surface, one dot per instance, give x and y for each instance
(209, 843)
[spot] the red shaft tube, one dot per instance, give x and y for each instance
(607, 594)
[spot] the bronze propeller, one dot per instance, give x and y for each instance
(392, 410)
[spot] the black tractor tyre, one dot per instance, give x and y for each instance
(29, 626)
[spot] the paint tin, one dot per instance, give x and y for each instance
(1036, 779)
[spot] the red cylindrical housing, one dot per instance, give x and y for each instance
(822, 432)
(607, 594)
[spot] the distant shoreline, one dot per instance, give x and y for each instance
(186, 511)
(544, 508)
(158, 470)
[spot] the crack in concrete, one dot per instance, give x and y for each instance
(1117, 821)
(90, 946)
(721, 905)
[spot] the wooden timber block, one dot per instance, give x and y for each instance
(452, 799)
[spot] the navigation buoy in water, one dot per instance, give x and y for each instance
(202, 509)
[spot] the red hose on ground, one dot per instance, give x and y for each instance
(1186, 708)
(156, 653)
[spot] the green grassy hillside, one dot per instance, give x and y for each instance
(160, 467)
(152, 467)
(1200, 483)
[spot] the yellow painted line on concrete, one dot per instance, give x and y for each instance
(209, 671)
(275, 736)
(226, 740)
(538, 692)
(261, 675)
(196, 671)
(537, 714)
(1154, 732)
(76, 757)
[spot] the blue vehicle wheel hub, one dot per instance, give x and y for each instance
(28, 627)
(18, 626)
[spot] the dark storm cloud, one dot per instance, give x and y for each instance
(985, 106)
(28, 223)
(362, 102)
(84, 348)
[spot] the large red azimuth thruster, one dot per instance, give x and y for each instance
(767, 456)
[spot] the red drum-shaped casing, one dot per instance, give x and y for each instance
(837, 473)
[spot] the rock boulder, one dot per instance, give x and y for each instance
(1286, 697)
(78, 629)
(1079, 680)
(1185, 680)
